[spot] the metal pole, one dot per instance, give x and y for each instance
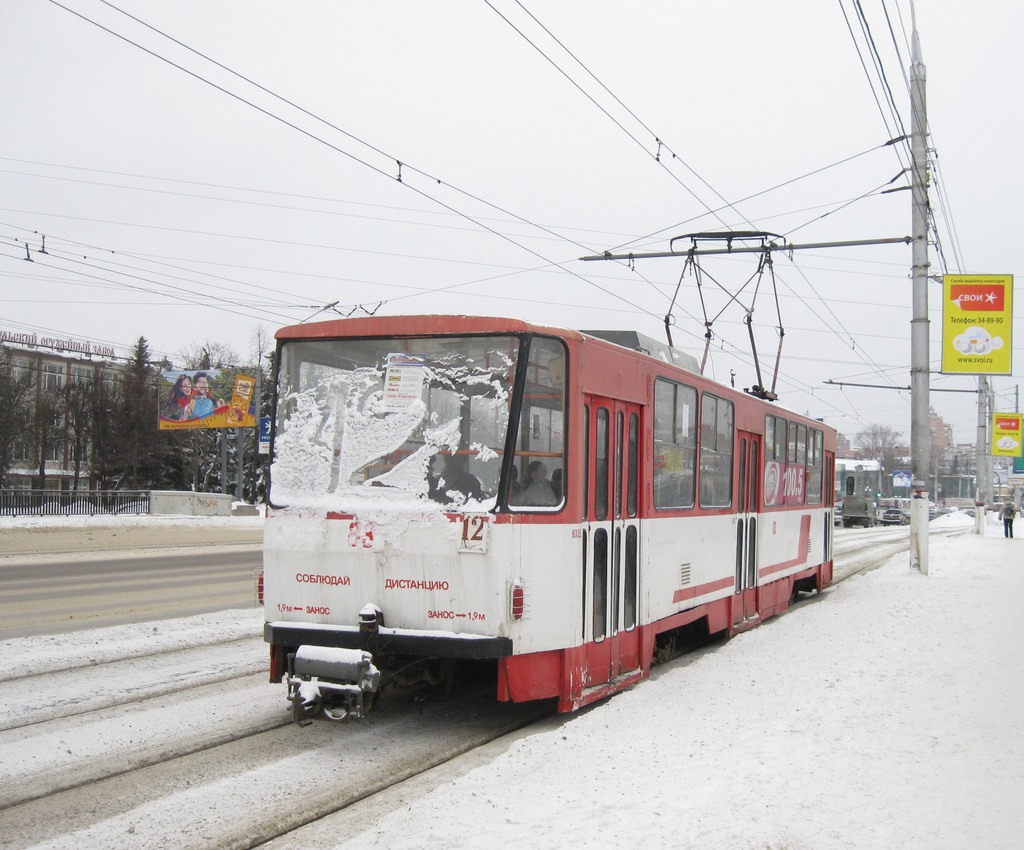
(989, 460)
(223, 434)
(257, 458)
(239, 464)
(980, 452)
(919, 422)
(1013, 465)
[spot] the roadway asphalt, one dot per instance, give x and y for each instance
(44, 540)
(58, 578)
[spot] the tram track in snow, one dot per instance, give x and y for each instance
(15, 674)
(257, 786)
(84, 751)
(857, 551)
(127, 680)
(66, 760)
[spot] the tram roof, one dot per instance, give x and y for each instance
(417, 326)
(448, 324)
(442, 324)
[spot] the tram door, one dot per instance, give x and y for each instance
(612, 568)
(748, 493)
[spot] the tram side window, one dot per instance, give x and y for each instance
(796, 459)
(675, 444)
(815, 462)
(716, 451)
(797, 444)
(540, 441)
(776, 430)
(774, 439)
(632, 483)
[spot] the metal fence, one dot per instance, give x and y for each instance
(73, 503)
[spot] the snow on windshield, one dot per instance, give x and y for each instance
(365, 422)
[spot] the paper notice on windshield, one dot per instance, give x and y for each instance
(403, 381)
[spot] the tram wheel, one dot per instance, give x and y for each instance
(664, 648)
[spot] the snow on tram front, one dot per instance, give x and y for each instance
(453, 489)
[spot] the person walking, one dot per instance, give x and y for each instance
(1008, 513)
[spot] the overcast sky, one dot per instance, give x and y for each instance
(187, 203)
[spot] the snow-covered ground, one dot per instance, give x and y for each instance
(886, 713)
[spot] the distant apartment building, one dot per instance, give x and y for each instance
(843, 448)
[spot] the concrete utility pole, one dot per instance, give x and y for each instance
(920, 442)
(986, 472)
(1015, 492)
(981, 474)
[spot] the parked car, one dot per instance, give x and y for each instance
(893, 516)
(837, 514)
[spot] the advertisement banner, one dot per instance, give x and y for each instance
(1006, 434)
(207, 398)
(977, 321)
(403, 381)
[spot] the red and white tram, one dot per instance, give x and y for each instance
(562, 503)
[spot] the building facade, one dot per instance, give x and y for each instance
(52, 440)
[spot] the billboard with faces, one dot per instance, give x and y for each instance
(207, 398)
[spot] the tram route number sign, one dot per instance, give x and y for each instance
(474, 533)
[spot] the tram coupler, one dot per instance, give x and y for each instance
(333, 682)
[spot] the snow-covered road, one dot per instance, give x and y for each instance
(108, 737)
(884, 713)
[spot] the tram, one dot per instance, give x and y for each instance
(565, 505)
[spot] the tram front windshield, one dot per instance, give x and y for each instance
(421, 419)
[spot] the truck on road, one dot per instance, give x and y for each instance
(858, 510)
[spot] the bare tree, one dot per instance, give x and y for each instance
(261, 345)
(881, 443)
(198, 450)
(78, 413)
(46, 424)
(878, 440)
(208, 355)
(15, 395)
